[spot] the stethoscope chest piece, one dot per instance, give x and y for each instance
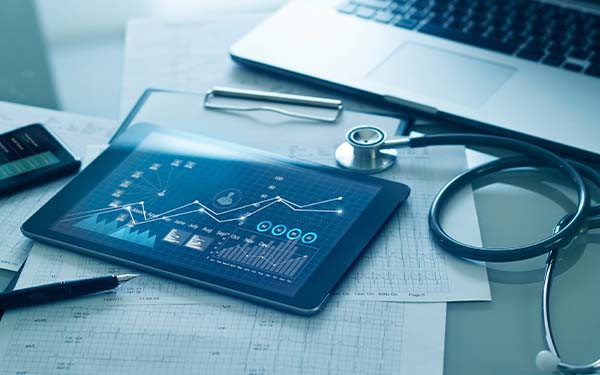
(362, 151)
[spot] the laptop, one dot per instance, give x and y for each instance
(516, 67)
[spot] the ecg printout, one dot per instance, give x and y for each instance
(152, 325)
(404, 264)
(48, 264)
(226, 337)
(77, 132)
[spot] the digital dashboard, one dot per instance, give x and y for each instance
(268, 224)
(220, 215)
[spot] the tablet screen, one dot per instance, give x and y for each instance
(245, 217)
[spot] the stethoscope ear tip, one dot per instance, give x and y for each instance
(547, 361)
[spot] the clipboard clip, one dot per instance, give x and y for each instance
(273, 97)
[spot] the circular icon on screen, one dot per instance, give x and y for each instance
(294, 233)
(227, 198)
(264, 226)
(279, 229)
(309, 237)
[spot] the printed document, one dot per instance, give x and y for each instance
(153, 326)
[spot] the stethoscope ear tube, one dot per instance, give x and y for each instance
(550, 359)
(365, 151)
(535, 156)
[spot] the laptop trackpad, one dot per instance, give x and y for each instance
(441, 74)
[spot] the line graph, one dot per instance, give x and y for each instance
(264, 224)
(139, 208)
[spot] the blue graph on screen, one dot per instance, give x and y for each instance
(266, 224)
(110, 228)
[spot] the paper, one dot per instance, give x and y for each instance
(48, 264)
(76, 131)
(227, 337)
(152, 325)
(195, 57)
(404, 264)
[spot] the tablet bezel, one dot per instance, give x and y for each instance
(312, 294)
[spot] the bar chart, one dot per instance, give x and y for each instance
(281, 257)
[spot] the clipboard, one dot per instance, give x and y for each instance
(182, 110)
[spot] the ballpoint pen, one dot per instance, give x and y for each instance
(61, 290)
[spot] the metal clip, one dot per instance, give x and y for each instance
(266, 96)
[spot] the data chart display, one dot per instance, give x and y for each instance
(251, 220)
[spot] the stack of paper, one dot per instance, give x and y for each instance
(157, 326)
(153, 325)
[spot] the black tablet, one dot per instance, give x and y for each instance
(216, 214)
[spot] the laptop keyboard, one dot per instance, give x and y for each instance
(531, 30)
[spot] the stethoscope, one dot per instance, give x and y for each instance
(367, 150)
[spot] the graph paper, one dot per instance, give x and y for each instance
(48, 264)
(404, 264)
(226, 337)
(153, 325)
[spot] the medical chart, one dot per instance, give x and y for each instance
(404, 263)
(151, 325)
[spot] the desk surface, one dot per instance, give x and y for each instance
(503, 336)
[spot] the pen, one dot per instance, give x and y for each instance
(61, 290)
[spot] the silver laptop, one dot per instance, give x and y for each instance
(523, 67)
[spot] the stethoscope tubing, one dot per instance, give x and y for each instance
(586, 215)
(537, 156)
(591, 368)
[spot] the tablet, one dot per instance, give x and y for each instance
(215, 214)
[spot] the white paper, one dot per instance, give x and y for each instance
(152, 325)
(195, 57)
(404, 263)
(48, 264)
(76, 131)
(227, 337)
(407, 266)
